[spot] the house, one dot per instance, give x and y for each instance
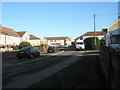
(8, 37)
(24, 36)
(98, 34)
(56, 40)
(34, 41)
(43, 41)
(114, 25)
(69, 41)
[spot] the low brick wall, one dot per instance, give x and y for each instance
(8, 55)
(110, 64)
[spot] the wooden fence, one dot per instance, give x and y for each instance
(110, 64)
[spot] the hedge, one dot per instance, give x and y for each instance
(90, 43)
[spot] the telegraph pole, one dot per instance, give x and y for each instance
(94, 29)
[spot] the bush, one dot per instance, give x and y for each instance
(24, 44)
(43, 47)
(90, 43)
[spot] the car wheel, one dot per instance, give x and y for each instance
(38, 55)
(19, 57)
(31, 55)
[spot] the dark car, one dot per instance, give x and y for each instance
(52, 49)
(27, 52)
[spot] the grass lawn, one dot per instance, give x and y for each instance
(86, 73)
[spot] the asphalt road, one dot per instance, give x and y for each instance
(21, 73)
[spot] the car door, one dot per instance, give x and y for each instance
(36, 53)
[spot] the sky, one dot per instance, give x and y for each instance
(56, 19)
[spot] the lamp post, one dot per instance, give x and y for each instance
(94, 30)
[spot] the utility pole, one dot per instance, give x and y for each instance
(94, 30)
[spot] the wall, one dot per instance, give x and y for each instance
(25, 37)
(6, 40)
(110, 64)
(2, 39)
(12, 40)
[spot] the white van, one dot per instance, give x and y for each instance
(79, 45)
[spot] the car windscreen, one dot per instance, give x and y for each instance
(25, 49)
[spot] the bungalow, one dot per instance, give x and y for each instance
(98, 34)
(34, 41)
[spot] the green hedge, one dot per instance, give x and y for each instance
(90, 43)
(24, 44)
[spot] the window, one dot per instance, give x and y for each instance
(115, 39)
(26, 38)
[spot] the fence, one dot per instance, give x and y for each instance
(110, 63)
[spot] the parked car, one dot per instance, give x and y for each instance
(64, 46)
(52, 49)
(28, 52)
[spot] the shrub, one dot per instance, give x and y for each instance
(43, 47)
(24, 44)
(90, 43)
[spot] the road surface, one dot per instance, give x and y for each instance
(22, 73)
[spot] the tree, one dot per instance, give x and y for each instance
(90, 43)
(24, 44)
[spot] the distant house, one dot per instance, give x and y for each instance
(8, 37)
(24, 36)
(34, 41)
(43, 41)
(56, 40)
(69, 41)
(98, 34)
(59, 40)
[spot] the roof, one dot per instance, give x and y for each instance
(92, 33)
(32, 37)
(21, 33)
(55, 38)
(9, 31)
